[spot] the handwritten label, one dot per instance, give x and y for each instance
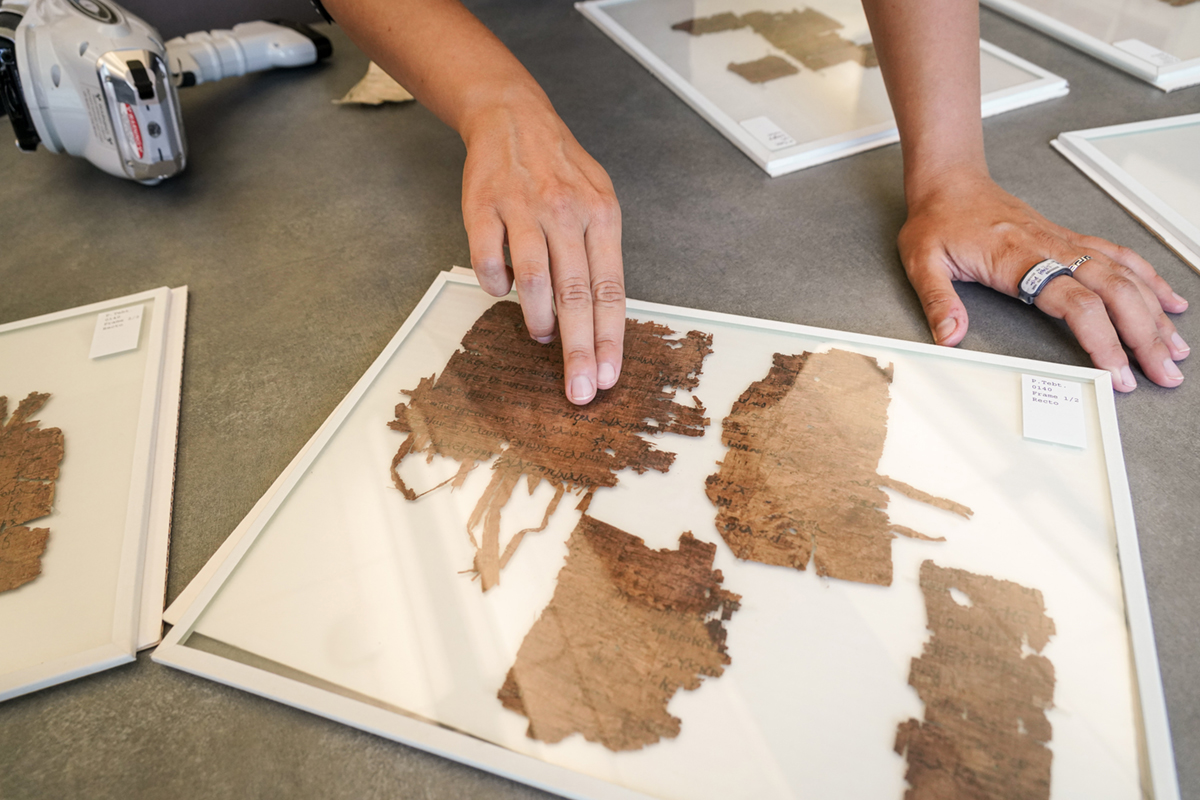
(1052, 410)
(117, 331)
(1139, 49)
(767, 132)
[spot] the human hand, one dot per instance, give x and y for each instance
(966, 228)
(527, 183)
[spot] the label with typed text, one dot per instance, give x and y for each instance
(768, 133)
(116, 331)
(1052, 410)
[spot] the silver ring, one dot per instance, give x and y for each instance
(1077, 263)
(1041, 273)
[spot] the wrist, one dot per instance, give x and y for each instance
(926, 181)
(503, 104)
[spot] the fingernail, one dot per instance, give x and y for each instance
(1177, 297)
(1126, 375)
(582, 390)
(1172, 370)
(606, 376)
(544, 339)
(945, 329)
(1179, 343)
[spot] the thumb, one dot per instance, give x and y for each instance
(945, 312)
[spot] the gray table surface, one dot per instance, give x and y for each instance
(307, 232)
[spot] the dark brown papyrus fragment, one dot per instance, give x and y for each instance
(808, 36)
(627, 627)
(727, 21)
(799, 480)
(764, 69)
(985, 691)
(29, 459)
(502, 394)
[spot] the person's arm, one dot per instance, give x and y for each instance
(526, 181)
(962, 226)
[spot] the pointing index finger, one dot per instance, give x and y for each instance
(573, 302)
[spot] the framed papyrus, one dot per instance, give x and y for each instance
(85, 522)
(905, 539)
(790, 84)
(1156, 40)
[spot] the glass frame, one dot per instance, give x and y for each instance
(139, 579)
(1166, 76)
(1147, 207)
(803, 154)
(260, 673)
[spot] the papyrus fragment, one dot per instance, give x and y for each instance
(767, 68)
(627, 627)
(375, 89)
(985, 689)
(808, 36)
(29, 459)
(800, 480)
(502, 394)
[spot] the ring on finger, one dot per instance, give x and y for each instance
(1040, 274)
(1077, 263)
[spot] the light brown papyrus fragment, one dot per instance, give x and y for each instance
(764, 69)
(799, 480)
(375, 89)
(808, 36)
(29, 459)
(985, 691)
(502, 394)
(627, 627)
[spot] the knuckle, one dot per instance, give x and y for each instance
(937, 301)
(573, 293)
(530, 278)
(607, 343)
(1120, 283)
(1124, 254)
(479, 204)
(1085, 302)
(605, 210)
(487, 264)
(576, 355)
(560, 204)
(608, 292)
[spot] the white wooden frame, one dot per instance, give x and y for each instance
(162, 492)
(400, 726)
(1166, 77)
(1177, 233)
(137, 617)
(807, 154)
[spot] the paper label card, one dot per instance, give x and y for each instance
(1052, 410)
(117, 331)
(768, 133)
(1140, 49)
